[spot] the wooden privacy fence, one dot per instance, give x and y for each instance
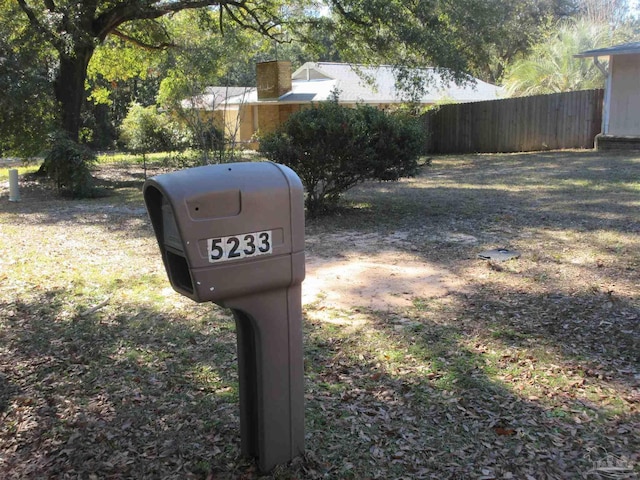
(524, 124)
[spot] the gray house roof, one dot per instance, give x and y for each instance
(315, 81)
(622, 49)
(213, 97)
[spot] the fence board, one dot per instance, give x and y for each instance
(539, 122)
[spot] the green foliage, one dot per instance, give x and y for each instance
(118, 61)
(201, 59)
(613, 12)
(493, 33)
(146, 130)
(68, 164)
(73, 31)
(26, 100)
(174, 50)
(551, 66)
(462, 35)
(332, 148)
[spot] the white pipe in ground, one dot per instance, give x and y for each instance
(14, 190)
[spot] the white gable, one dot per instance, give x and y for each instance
(310, 71)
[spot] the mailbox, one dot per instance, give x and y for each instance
(233, 234)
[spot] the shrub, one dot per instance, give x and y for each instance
(332, 148)
(68, 164)
(145, 130)
(207, 139)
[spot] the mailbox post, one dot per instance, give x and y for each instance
(233, 234)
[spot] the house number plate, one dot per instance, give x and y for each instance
(240, 246)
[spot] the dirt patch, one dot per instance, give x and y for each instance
(376, 272)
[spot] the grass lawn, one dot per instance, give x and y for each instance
(525, 369)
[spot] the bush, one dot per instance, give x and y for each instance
(146, 130)
(68, 164)
(332, 148)
(208, 140)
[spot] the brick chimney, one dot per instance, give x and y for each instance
(273, 79)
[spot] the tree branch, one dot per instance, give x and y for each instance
(140, 43)
(262, 27)
(348, 15)
(33, 20)
(126, 11)
(110, 20)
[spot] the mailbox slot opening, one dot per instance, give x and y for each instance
(166, 231)
(179, 271)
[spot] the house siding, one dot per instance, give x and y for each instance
(246, 124)
(624, 104)
(264, 118)
(268, 118)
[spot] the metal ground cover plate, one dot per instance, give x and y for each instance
(500, 254)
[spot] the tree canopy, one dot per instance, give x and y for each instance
(54, 51)
(75, 29)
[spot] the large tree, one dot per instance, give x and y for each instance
(74, 29)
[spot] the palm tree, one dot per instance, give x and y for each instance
(551, 67)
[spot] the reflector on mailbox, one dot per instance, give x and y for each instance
(228, 230)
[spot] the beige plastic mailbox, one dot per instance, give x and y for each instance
(233, 234)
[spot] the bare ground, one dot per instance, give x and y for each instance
(422, 360)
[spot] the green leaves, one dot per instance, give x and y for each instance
(69, 164)
(333, 148)
(26, 100)
(551, 67)
(146, 130)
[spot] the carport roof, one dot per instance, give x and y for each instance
(622, 49)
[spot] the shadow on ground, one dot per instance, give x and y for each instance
(496, 381)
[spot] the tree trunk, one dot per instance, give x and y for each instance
(70, 90)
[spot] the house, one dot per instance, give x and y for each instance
(279, 93)
(621, 106)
